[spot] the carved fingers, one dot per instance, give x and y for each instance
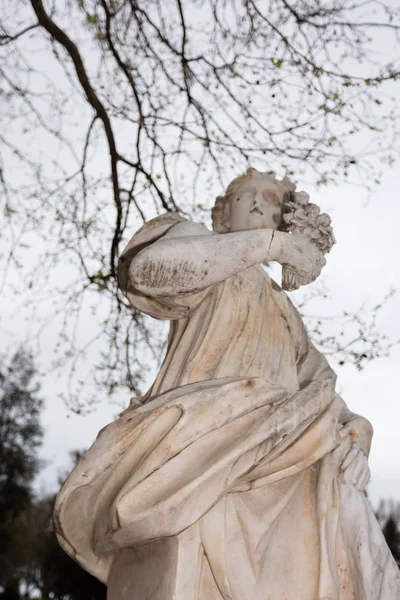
(355, 468)
(301, 256)
(360, 431)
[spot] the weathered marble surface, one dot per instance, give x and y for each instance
(242, 474)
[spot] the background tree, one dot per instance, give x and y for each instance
(20, 436)
(117, 110)
(32, 564)
(388, 515)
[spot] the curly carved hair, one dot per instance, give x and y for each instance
(222, 207)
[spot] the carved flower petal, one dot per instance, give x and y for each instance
(302, 198)
(324, 220)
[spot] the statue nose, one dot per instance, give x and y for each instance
(258, 199)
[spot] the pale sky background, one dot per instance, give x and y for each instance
(363, 266)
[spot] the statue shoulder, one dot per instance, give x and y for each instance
(168, 225)
(188, 229)
(152, 230)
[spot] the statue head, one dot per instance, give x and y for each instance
(252, 201)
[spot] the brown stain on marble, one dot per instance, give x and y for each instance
(271, 197)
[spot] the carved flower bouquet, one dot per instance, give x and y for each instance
(304, 219)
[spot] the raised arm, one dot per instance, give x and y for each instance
(190, 258)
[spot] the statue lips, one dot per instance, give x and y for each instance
(256, 210)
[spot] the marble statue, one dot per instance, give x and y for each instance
(241, 474)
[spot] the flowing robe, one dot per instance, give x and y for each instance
(225, 483)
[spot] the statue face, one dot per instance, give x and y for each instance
(257, 204)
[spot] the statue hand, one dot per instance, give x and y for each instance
(355, 463)
(360, 431)
(355, 468)
(301, 256)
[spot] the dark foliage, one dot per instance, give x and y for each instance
(32, 563)
(20, 436)
(388, 515)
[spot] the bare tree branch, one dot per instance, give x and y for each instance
(62, 38)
